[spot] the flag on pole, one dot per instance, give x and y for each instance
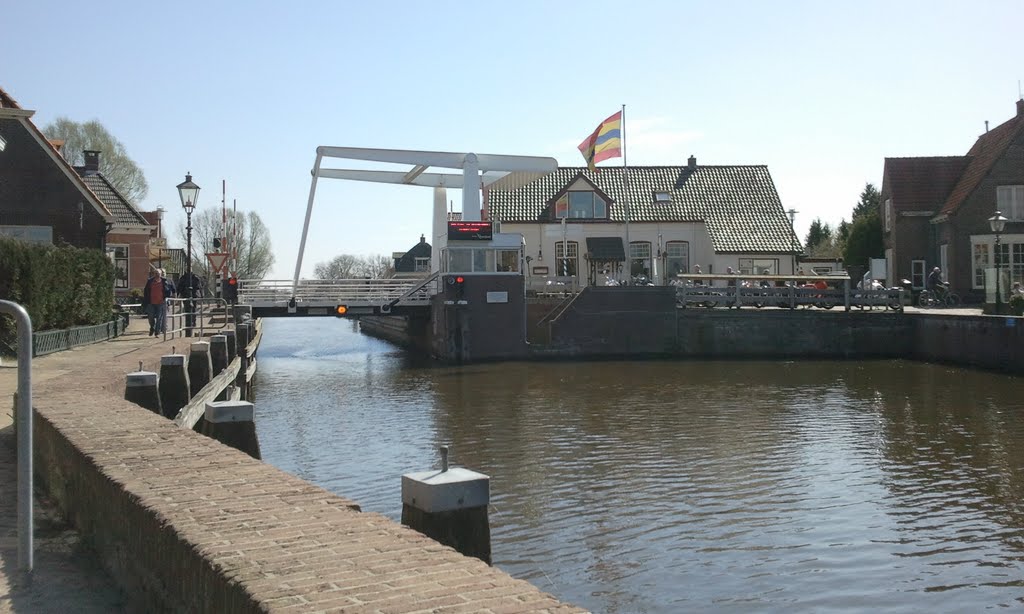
(604, 143)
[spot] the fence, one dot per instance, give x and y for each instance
(50, 341)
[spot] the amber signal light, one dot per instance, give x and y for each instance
(341, 310)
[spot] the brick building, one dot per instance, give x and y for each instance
(935, 212)
(42, 198)
(130, 235)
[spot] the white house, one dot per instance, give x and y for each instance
(574, 222)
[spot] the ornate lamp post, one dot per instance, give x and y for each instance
(189, 193)
(997, 222)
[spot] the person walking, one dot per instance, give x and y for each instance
(158, 290)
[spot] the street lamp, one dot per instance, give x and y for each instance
(792, 227)
(997, 222)
(189, 193)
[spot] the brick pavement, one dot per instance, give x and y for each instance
(184, 523)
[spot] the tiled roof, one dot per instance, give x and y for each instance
(124, 213)
(922, 182)
(6, 102)
(987, 149)
(738, 204)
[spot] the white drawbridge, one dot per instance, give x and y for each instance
(490, 171)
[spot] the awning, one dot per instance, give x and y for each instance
(606, 248)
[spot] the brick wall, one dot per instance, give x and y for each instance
(35, 192)
(186, 524)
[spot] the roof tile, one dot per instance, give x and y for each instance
(738, 204)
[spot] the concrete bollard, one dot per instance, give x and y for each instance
(219, 353)
(449, 506)
(200, 367)
(233, 424)
(229, 334)
(173, 385)
(142, 389)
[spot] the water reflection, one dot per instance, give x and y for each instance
(678, 486)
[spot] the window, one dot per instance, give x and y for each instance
(1010, 201)
(888, 214)
(662, 198)
(119, 256)
(640, 258)
(508, 261)
(759, 266)
(581, 205)
(981, 258)
(422, 265)
(566, 258)
(1017, 264)
(677, 258)
(917, 276)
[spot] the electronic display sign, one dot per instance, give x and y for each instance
(470, 231)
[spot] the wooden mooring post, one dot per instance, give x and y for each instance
(449, 506)
(232, 423)
(200, 367)
(173, 384)
(141, 388)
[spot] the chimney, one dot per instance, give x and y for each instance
(691, 163)
(1020, 108)
(986, 126)
(92, 161)
(423, 239)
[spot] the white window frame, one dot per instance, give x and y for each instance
(662, 198)
(918, 274)
(681, 258)
(421, 265)
(567, 265)
(981, 256)
(120, 284)
(1010, 202)
(754, 266)
(640, 254)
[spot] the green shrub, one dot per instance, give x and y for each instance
(1016, 303)
(60, 287)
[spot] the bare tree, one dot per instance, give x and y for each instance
(115, 164)
(252, 253)
(344, 266)
(347, 266)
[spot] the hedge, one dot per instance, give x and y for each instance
(60, 287)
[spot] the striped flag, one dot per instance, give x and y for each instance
(604, 143)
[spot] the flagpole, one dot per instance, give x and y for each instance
(625, 195)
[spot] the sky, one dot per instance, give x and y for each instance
(241, 94)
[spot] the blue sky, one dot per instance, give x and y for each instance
(820, 92)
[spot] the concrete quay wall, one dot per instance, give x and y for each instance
(184, 523)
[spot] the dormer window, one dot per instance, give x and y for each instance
(581, 205)
(662, 198)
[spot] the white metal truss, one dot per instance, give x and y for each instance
(495, 172)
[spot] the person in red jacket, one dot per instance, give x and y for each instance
(154, 297)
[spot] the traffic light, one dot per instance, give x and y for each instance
(460, 287)
(216, 243)
(229, 289)
(340, 311)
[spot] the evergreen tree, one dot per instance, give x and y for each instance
(868, 203)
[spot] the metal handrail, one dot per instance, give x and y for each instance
(24, 425)
(176, 314)
(321, 289)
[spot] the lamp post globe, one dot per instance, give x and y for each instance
(188, 191)
(996, 223)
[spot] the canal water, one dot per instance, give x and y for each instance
(680, 486)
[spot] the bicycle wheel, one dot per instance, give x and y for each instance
(952, 300)
(924, 299)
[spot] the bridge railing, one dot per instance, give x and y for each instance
(310, 290)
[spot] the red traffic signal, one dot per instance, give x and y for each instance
(232, 281)
(460, 279)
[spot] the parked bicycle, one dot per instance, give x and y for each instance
(941, 296)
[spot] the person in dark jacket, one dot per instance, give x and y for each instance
(158, 290)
